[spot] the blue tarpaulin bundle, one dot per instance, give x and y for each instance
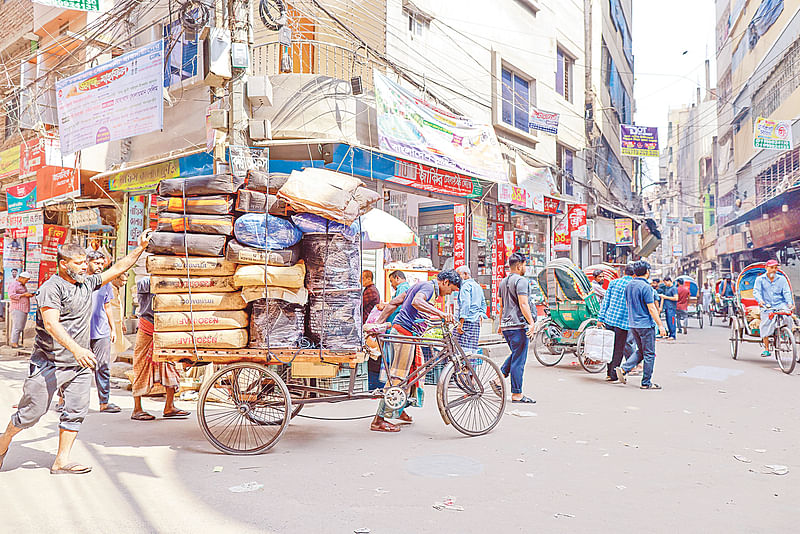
(259, 230)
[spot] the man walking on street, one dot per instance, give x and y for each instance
(772, 293)
(471, 309)
(614, 314)
(515, 319)
(683, 307)
(61, 358)
(670, 299)
(642, 317)
(102, 335)
(20, 306)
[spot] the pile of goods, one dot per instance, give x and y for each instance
(271, 260)
(753, 314)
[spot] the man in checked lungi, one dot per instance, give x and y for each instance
(471, 309)
(772, 293)
(415, 304)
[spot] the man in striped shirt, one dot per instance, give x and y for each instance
(20, 306)
(614, 314)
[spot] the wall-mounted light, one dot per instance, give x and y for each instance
(765, 216)
(785, 208)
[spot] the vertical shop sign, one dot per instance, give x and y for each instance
(153, 212)
(480, 226)
(500, 238)
(510, 241)
(459, 235)
(576, 216)
(52, 237)
(13, 259)
(561, 238)
(135, 219)
(495, 279)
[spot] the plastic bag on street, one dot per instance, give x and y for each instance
(598, 344)
(251, 230)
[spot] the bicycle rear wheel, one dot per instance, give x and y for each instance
(785, 349)
(473, 398)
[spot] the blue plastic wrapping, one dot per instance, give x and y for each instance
(310, 223)
(251, 229)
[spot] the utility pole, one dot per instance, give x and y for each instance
(240, 24)
(588, 98)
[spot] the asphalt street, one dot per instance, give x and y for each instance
(588, 457)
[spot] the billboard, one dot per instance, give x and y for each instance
(544, 121)
(21, 197)
(640, 141)
(119, 99)
(623, 230)
(770, 134)
(415, 129)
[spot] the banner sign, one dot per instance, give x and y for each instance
(562, 242)
(419, 176)
(677, 250)
(576, 218)
(56, 183)
(480, 227)
(13, 260)
(119, 99)
(459, 235)
(413, 128)
(623, 230)
(52, 238)
(638, 140)
(136, 216)
(498, 263)
(694, 229)
(9, 162)
(83, 219)
(21, 220)
(21, 197)
(770, 134)
(79, 5)
(544, 121)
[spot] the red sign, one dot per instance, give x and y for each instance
(436, 180)
(153, 211)
(576, 217)
(500, 240)
(459, 239)
(52, 237)
(561, 238)
(551, 205)
(32, 157)
(55, 182)
(495, 279)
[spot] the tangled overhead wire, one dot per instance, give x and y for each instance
(194, 15)
(272, 13)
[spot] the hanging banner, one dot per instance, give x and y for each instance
(426, 178)
(694, 229)
(496, 279)
(13, 260)
(118, 99)
(641, 141)
(85, 219)
(512, 194)
(677, 250)
(459, 235)
(135, 220)
(21, 197)
(413, 128)
(774, 135)
(480, 227)
(499, 237)
(544, 121)
(52, 237)
(576, 217)
(9, 162)
(55, 184)
(21, 220)
(510, 241)
(551, 205)
(562, 242)
(623, 231)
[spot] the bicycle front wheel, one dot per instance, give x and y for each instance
(473, 398)
(785, 349)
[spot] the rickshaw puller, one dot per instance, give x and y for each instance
(772, 293)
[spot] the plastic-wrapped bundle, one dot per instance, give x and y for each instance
(332, 262)
(201, 224)
(194, 244)
(334, 195)
(238, 253)
(251, 229)
(210, 205)
(248, 201)
(310, 223)
(335, 320)
(276, 323)
(212, 184)
(265, 181)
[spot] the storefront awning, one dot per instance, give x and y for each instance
(791, 197)
(621, 212)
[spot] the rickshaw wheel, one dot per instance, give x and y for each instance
(785, 349)
(588, 365)
(734, 339)
(468, 400)
(244, 409)
(546, 353)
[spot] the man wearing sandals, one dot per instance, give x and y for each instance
(772, 294)
(515, 319)
(643, 316)
(62, 360)
(103, 335)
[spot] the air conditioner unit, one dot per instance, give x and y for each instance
(217, 57)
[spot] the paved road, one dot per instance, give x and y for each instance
(605, 456)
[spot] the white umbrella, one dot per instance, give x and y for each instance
(379, 229)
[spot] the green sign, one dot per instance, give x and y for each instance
(81, 5)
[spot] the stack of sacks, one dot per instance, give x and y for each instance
(258, 193)
(195, 220)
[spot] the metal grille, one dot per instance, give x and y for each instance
(782, 174)
(780, 84)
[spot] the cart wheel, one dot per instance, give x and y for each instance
(589, 365)
(243, 409)
(468, 399)
(544, 346)
(296, 394)
(785, 349)
(734, 340)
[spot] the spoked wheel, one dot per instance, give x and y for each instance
(734, 340)
(544, 345)
(590, 366)
(296, 393)
(785, 349)
(472, 399)
(244, 408)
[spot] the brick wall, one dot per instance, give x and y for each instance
(17, 20)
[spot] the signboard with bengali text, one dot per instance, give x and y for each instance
(638, 141)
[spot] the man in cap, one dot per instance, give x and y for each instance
(772, 292)
(20, 306)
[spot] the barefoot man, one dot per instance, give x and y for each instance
(61, 359)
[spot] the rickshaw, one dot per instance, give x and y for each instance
(695, 305)
(721, 306)
(571, 308)
(609, 273)
(745, 329)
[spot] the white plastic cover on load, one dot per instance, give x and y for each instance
(598, 345)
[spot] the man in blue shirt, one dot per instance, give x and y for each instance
(102, 334)
(614, 314)
(642, 317)
(670, 299)
(471, 309)
(772, 292)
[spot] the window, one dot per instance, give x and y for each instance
(182, 57)
(565, 162)
(516, 95)
(564, 78)
(417, 24)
